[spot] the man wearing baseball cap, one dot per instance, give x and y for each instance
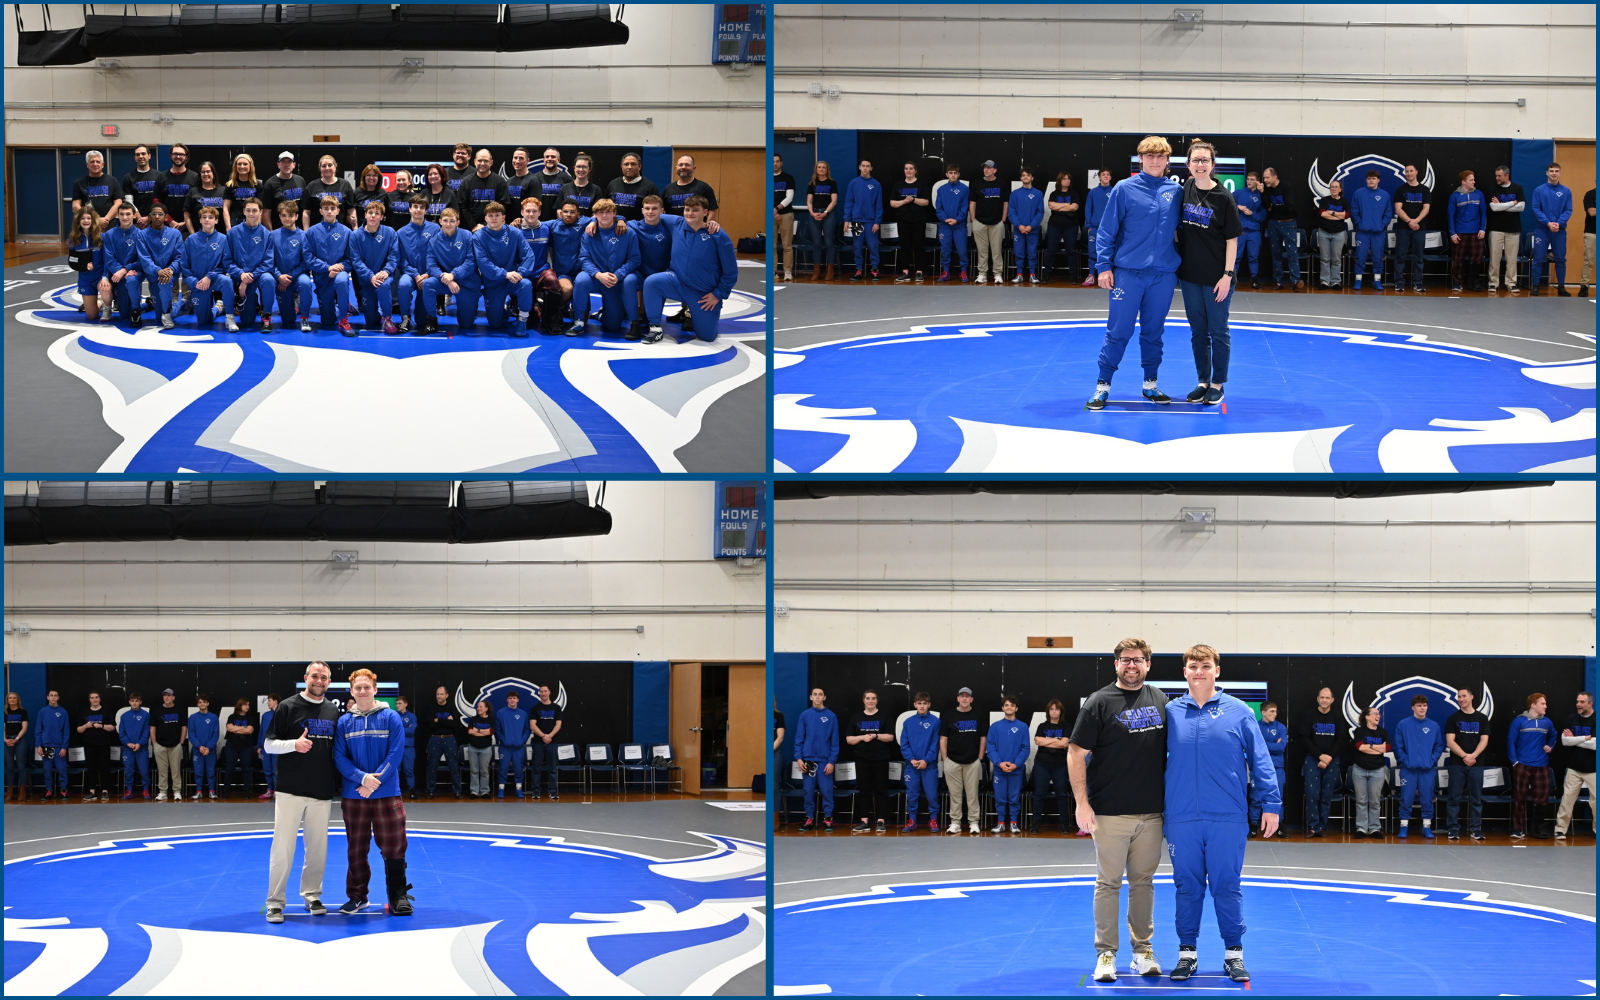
(989, 206)
(285, 185)
(962, 743)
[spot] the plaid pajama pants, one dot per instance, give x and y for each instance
(364, 819)
(1530, 785)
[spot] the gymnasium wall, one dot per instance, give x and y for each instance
(1389, 577)
(597, 96)
(1252, 68)
(580, 599)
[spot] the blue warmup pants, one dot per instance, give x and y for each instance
(205, 770)
(1208, 330)
(466, 301)
(1025, 246)
(496, 293)
(377, 304)
(1143, 295)
(616, 303)
(1539, 241)
(269, 769)
(1370, 244)
(408, 767)
(952, 238)
(1412, 781)
(810, 784)
(163, 294)
(1208, 854)
(136, 760)
(1008, 795)
(510, 761)
(1255, 809)
(55, 771)
(1408, 245)
(660, 287)
(922, 786)
(221, 286)
(1045, 774)
(1089, 250)
(334, 296)
(864, 234)
(303, 284)
(443, 747)
(544, 765)
(125, 293)
(1249, 254)
(1320, 786)
(1283, 244)
(258, 297)
(1468, 780)
(407, 292)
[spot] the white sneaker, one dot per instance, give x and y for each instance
(955, 827)
(973, 827)
(1105, 967)
(1145, 963)
(981, 279)
(162, 797)
(213, 796)
(788, 276)
(196, 797)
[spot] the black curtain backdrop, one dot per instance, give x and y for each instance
(607, 159)
(1048, 154)
(599, 694)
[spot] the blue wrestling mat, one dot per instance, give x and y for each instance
(494, 915)
(199, 399)
(1009, 397)
(1306, 937)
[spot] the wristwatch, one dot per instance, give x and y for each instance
(1228, 273)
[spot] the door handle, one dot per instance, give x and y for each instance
(695, 729)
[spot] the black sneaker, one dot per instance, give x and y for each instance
(1453, 835)
(1154, 393)
(902, 278)
(652, 334)
(1188, 965)
(1561, 290)
(1214, 396)
(827, 825)
(1235, 969)
(274, 914)
(316, 908)
(1102, 392)
(862, 827)
(352, 906)
(856, 276)
(1478, 835)
(874, 274)
(809, 825)
(1197, 394)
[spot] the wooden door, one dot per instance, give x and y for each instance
(685, 723)
(739, 176)
(747, 722)
(1577, 173)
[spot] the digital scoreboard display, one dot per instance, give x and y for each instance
(739, 33)
(1229, 171)
(740, 530)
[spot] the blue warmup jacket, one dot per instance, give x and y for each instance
(655, 243)
(454, 254)
(1527, 738)
(327, 244)
(538, 240)
(54, 725)
(863, 201)
(1009, 740)
(511, 727)
(249, 250)
(1370, 210)
(203, 255)
(1417, 742)
(704, 263)
(816, 736)
(408, 720)
(158, 249)
(1276, 736)
(497, 253)
(1213, 752)
(953, 202)
(203, 730)
(374, 252)
(607, 252)
(289, 257)
(1246, 198)
(266, 721)
(1551, 203)
(1096, 210)
(121, 247)
(919, 738)
(566, 242)
(1140, 225)
(134, 727)
(414, 240)
(1468, 213)
(369, 744)
(1027, 207)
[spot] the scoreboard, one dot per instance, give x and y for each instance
(739, 33)
(740, 530)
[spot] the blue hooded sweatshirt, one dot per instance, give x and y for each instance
(205, 255)
(1096, 210)
(1417, 742)
(289, 255)
(863, 201)
(1213, 752)
(1009, 740)
(1027, 207)
(605, 251)
(1527, 738)
(158, 249)
(497, 253)
(1370, 209)
(919, 738)
(816, 736)
(565, 244)
(1139, 225)
(121, 247)
(454, 254)
(511, 727)
(1467, 214)
(370, 743)
(1551, 203)
(249, 250)
(134, 727)
(374, 252)
(414, 240)
(703, 262)
(327, 244)
(952, 202)
(54, 725)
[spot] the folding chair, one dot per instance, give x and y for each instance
(598, 760)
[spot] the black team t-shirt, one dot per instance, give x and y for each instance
(777, 722)
(630, 195)
(1125, 733)
(1588, 203)
(454, 175)
(310, 774)
(1411, 198)
(276, 190)
(910, 213)
(990, 199)
(1210, 219)
(1279, 203)
(243, 740)
(585, 195)
(167, 724)
(1578, 758)
(441, 719)
(676, 194)
(544, 716)
(1322, 734)
(862, 724)
(1467, 729)
(782, 184)
(821, 193)
(1053, 731)
(487, 739)
(15, 718)
(98, 737)
(1332, 204)
(548, 188)
(1370, 737)
(340, 190)
(172, 190)
(962, 731)
(101, 192)
(142, 185)
(437, 203)
(1064, 196)
(238, 194)
(1506, 222)
(207, 197)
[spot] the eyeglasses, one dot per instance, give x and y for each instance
(1126, 662)
(1199, 159)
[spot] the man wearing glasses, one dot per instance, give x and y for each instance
(1120, 801)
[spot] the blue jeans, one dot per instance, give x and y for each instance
(922, 786)
(1408, 245)
(864, 234)
(1320, 786)
(1369, 245)
(1255, 808)
(1368, 785)
(1283, 241)
(1249, 253)
(952, 238)
(544, 765)
(1143, 296)
(1046, 774)
(443, 746)
(811, 783)
(822, 237)
(1208, 330)
(1208, 854)
(236, 766)
(1539, 241)
(1008, 795)
(1469, 780)
(17, 764)
(510, 762)
(618, 302)
(660, 287)
(1412, 781)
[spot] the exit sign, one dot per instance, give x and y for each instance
(740, 530)
(110, 131)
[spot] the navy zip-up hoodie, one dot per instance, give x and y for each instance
(121, 248)
(538, 240)
(951, 203)
(1139, 225)
(1096, 210)
(414, 240)
(327, 244)
(1276, 735)
(816, 736)
(566, 242)
(1213, 750)
(249, 250)
(369, 743)
(204, 730)
(1468, 213)
(408, 720)
(511, 727)
(1027, 207)
(919, 738)
(158, 250)
(1246, 198)
(1009, 739)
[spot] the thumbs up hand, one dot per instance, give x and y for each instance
(303, 744)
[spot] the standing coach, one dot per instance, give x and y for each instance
(302, 733)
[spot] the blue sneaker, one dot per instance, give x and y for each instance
(520, 795)
(941, 279)
(1102, 392)
(502, 794)
(1427, 832)
(1358, 283)
(1154, 394)
(1377, 284)
(1404, 830)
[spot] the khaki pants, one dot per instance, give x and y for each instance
(786, 240)
(288, 813)
(1569, 790)
(1130, 844)
(169, 763)
(1588, 259)
(963, 778)
(1503, 243)
(990, 239)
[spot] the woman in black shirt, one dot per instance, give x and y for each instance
(871, 732)
(206, 194)
(1065, 211)
(1050, 761)
(1208, 243)
(440, 195)
(480, 755)
(1369, 771)
(1331, 230)
(370, 190)
(822, 220)
(239, 750)
(241, 187)
(16, 759)
(97, 731)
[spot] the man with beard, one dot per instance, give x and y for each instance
(630, 190)
(684, 185)
(302, 735)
